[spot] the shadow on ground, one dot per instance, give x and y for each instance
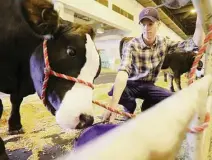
(48, 152)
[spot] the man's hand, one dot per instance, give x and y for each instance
(109, 117)
(119, 86)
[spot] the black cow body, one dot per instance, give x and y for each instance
(176, 64)
(23, 26)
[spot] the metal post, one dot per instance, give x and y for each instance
(203, 8)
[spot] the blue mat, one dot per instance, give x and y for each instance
(93, 132)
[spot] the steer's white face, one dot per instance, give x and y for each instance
(72, 55)
(76, 105)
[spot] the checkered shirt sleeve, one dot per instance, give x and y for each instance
(126, 62)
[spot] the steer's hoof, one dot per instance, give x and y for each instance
(172, 90)
(3, 156)
(15, 132)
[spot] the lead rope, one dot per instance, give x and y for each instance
(202, 50)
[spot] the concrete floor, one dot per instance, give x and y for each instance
(43, 138)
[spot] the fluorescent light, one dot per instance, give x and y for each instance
(193, 11)
(100, 30)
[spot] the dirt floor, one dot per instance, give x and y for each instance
(43, 138)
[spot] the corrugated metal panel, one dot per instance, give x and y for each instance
(103, 2)
(122, 12)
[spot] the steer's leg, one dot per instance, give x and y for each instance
(15, 126)
(1, 108)
(165, 76)
(3, 154)
(178, 81)
(171, 85)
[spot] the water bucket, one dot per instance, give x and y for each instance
(92, 133)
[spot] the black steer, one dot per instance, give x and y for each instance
(177, 63)
(24, 25)
(71, 51)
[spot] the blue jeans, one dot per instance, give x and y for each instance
(147, 91)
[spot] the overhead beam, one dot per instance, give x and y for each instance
(186, 15)
(192, 17)
(147, 2)
(175, 20)
(183, 10)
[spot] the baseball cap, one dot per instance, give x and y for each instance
(150, 13)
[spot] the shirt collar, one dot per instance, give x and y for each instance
(143, 44)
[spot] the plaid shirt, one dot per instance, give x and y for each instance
(142, 62)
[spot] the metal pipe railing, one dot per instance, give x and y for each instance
(154, 134)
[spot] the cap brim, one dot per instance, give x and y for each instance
(148, 17)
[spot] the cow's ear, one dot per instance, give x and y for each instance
(90, 31)
(67, 27)
(82, 30)
(63, 27)
(41, 16)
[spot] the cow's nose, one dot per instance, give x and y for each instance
(85, 121)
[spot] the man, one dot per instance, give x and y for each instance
(141, 62)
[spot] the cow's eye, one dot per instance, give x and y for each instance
(71, 51)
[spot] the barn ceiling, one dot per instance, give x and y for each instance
(182, 21)
(82, 19)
